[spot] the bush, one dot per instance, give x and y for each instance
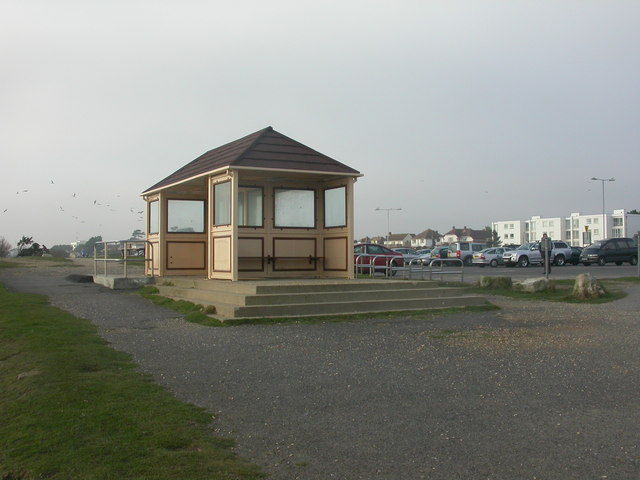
(5, 247)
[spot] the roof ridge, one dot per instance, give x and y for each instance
(259, 134)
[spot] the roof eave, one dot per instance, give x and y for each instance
(230, 167)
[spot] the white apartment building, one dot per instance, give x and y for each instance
(576, 229)
(511, 231)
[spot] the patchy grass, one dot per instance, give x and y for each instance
(34, 262)
(71, 407)
(561, 291)
(192, 312)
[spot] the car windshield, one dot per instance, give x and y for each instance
(524, 246)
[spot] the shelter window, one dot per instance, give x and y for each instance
(250, 206)
(335, 207)
(185, 216)
(154, 218)
(222, 203)
(294, 208)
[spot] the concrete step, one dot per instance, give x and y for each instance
(211, 297)
(292, 286)
(298, 310)
(283, 298)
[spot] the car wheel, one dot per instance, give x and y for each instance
(633, 261)
(393, 265)
(524, 261)
(493, 263)
(602, 261)
(559, 260)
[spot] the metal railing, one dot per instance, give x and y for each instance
(456, 267)
(366, 263)
(117, 252)
(372, 266)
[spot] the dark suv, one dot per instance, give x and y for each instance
(616, 250)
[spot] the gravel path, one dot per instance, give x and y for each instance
(536, 390)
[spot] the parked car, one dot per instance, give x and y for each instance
(617, 250)
(529, 253)
(425, 255)
(465, 250)
(561, 252)
(409, 254)
(489, 256)
(366, 253)
(441, 252)
(574, 259)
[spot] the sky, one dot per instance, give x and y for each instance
(457, 113)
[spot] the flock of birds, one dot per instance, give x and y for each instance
(71, 208)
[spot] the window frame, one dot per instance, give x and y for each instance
(151, 216)
(240, 191)
(275, 210)
(203, 202)
(324, 198)
(213, 199)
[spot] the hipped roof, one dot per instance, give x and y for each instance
(264, 149)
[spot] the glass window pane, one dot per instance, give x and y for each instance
(222, 203)
(335, 207)
(294, 208)
(250, 206)
(154, 219)
(185, 216)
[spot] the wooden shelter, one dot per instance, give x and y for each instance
(263, 206)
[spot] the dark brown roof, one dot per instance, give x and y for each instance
(266, 149)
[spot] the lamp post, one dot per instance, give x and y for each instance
(387, 210)
(604, 219)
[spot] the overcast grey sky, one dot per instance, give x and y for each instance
(458, 112)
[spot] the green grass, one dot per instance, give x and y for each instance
(72, 407)
(22, 262)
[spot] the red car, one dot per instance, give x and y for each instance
(363, 253)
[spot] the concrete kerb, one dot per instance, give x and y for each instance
(122, 283)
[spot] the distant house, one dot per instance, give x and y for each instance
(399, 240)
(466, 235)
(426, 239)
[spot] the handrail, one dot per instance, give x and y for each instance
(441, 271)
(106, 260)
(372, 266)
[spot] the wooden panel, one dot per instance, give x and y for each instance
(222, 254)
(250, 254)
(186, 255)
(292, 254)
(294, 247)
(336, 253)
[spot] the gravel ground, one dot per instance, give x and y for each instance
(536, 390)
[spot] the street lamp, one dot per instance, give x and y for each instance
(604, 218)
(387, 210)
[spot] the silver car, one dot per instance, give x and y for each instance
(489, 256)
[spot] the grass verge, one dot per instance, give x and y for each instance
(561, 291)
(71, 407)
(33, 262)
